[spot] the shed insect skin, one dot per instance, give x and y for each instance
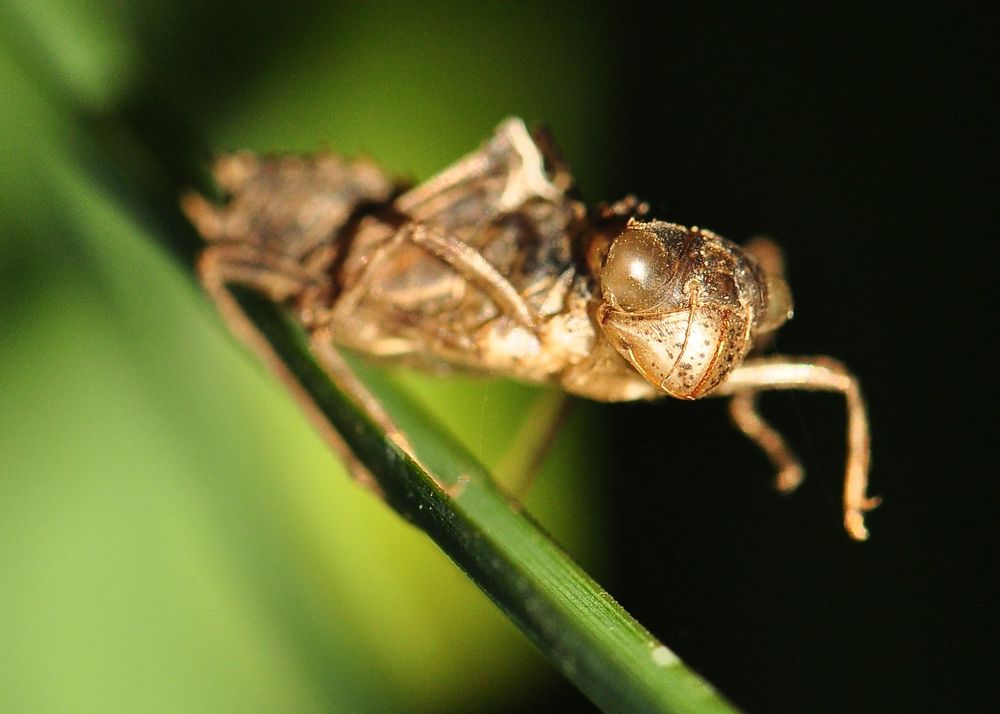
(494, 266)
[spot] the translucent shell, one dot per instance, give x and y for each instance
(637, 272)
(680, 305)
(685, 353)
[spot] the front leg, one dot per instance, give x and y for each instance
(813, 374)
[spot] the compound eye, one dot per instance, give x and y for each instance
(635, 275)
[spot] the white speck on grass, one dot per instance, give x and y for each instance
(663, 657)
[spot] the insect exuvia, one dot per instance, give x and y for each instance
(494, 265)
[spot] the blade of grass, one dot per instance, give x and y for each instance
(445, 492)
(577, 625)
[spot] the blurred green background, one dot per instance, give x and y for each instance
(173, 536)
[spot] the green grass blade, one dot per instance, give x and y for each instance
(577, 625)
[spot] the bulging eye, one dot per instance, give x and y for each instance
(636, 272)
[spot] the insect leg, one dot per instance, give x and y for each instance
(535, 438)
(321, 345)
(744, 411)
(826, 375)
(462, 257)
(220, 266)
(470, 263)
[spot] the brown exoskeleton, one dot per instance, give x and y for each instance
(494, 266)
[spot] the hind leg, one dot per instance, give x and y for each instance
(534, 440)
(220, 266)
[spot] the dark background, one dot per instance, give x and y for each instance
(861, 140)
(864, 143)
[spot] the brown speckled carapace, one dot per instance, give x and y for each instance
(494, 266)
